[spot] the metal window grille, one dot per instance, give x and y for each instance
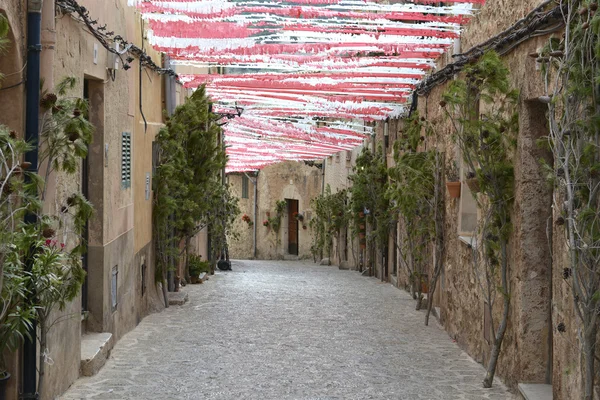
(126, 160)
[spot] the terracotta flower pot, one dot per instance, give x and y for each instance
(473, 184)
(453, 189)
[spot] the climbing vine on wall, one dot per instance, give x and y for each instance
(482, 109)
(331, 218)
(417, 200)
(572, 72)
(369, 186)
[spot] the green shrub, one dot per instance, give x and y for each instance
(198, 266)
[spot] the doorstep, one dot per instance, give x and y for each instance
(535, 391)
(95, 349)
(177, 298)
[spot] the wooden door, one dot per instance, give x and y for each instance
(292, 226)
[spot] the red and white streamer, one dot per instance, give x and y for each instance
(311, 75)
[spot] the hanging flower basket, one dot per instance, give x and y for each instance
(453, 189)
(299, 217)
(247, 220)
(266, 223)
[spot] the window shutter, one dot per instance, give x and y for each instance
(126, 160)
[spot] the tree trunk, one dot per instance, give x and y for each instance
(42, 353)
(186, 269)
(438, 203)
(164, 289)
(589, 341)
(498, 338)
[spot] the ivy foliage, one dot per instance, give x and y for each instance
(571, 67)
(369, 186)
(330, 219)
(483, 111)
(412, 194)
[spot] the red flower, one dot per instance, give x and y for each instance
(48, 242)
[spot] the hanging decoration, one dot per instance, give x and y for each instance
(311, 75)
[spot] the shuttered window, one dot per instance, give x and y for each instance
(244, 187)
(126, 160)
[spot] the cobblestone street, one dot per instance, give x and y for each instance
(288, 330)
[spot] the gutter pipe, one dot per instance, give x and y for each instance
(32, 110)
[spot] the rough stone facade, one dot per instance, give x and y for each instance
(533, 351)
(293, 182)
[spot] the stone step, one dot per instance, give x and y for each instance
(95, 349)
(177, 298)
(535, 391)
(203, 277)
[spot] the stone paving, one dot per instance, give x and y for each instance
(288, 330)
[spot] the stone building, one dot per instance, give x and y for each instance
(294, 183)
(126, 109)
(533, 351)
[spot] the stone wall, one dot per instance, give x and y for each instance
(526, 352)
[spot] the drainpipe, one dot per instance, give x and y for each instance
(255, 183)
(48, 40)
(32, 110)
(323, 176)
(48, 43)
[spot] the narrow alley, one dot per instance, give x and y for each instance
(288, 330)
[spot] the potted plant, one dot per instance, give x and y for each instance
(473, 182)
(266, 223)
(299, 216)
(197, 266)
(452, 180)
(247, 220)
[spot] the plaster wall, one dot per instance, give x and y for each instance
(12, 63)
(113, 241)
(242, 246)
(337, 172)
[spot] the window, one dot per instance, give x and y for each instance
(467, 213)
(126, 160)
(244, 187)
(147, 185)
(113, 287)
(143, 279)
